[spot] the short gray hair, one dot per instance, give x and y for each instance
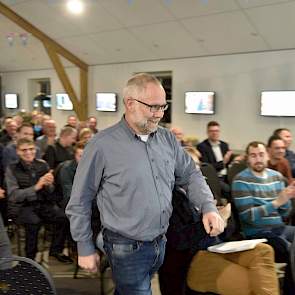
(137, 84)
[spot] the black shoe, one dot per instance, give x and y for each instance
(62, 258)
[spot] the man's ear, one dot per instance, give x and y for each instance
(246, 159)
(129, 103)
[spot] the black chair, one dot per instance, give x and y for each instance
(234, 169)
(20, 275)
(212, 180)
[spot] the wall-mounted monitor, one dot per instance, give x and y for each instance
(11, 101)
(46, 103)
(106, 101)
(63, 102)
(199, 102)
(278, 103)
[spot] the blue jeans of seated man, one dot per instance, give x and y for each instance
(133, 262)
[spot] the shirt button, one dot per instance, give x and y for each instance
(152, 160)
(163, 211)
(156, 176)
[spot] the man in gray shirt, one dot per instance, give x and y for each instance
(131, 169)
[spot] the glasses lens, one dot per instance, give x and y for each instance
(157, 108)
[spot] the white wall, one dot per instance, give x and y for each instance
(237, 80)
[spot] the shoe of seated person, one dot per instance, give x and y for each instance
(62, 257)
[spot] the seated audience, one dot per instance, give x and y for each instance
(72, 121)
(48, 137)
(276, 152)
(263, 202)
(32, 200)
(67, 172)
(9, 132)
(178, 134)
(37, 123)
(186, 257)
(3, 202)
(92, 124)
(215, 151)
(9, 152)
(18, 119)
(286, 136)
(85, 135)
(62, 150)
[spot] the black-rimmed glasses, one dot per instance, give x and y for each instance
(154, 108)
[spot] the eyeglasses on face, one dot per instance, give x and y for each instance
(154, 108)
(32, 149)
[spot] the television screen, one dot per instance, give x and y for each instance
(199, 102)
(106, 101)
(278, 103)
(46, 103)
(63, 102)
(11, 101)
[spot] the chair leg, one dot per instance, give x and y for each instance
(75, 275)
(18, 240)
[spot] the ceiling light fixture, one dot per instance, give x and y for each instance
(75, 6)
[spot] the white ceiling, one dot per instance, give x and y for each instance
(113, 31)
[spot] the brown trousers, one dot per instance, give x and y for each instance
(244, 273)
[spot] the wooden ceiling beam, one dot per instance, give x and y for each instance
(53, 49)
(9, 13)
(79, 107)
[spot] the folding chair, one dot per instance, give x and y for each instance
(20, 275)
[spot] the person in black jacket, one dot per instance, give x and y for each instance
(62, 149)
(32, 200)
(217, 153)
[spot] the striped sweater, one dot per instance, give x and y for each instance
(253, 198)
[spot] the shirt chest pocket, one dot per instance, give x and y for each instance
(167, 171)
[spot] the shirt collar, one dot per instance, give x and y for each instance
(214, 143)
(130, 131)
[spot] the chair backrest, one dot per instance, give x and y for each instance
(212, 180)
(234, 169)
(21, 275)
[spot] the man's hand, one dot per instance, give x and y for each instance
(285, 195)
(213, 223)
(2, 193)
(89, 263)
(46, 179)
(227, 157)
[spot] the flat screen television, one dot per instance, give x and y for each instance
(278, 103)
(199, 102)
(46, 103)
(106, 101)
(11, 101)
(63, 102)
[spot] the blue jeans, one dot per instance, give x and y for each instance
(133, 262)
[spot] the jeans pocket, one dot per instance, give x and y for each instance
(123, 249)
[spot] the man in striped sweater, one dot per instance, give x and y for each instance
(262, 201)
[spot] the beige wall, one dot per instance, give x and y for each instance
(237, 80)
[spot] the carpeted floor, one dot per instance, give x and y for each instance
(69, 286)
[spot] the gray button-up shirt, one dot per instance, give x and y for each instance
(132, 181)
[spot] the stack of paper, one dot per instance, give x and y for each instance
(236, 246)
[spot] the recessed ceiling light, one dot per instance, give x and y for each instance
(75, 6)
